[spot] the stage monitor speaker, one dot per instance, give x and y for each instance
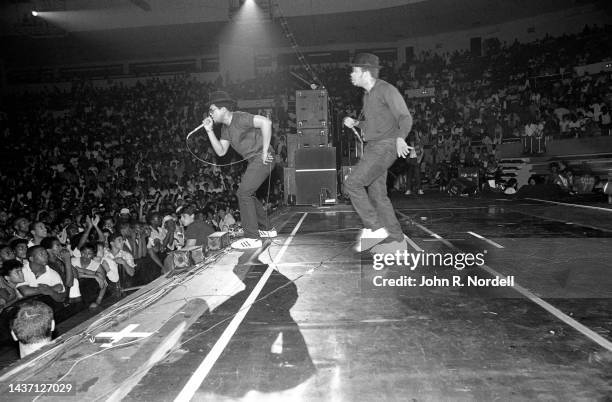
(315, 175)
(315, 187)
(315, 158)
(311, 109)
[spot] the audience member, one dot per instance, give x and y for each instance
(197, 230)
(11, 275)
(32, 326)
(39, 279)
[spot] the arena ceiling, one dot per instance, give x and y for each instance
(182, 39)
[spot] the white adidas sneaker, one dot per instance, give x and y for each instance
(369, 238)
(246, 243)
(268, 233)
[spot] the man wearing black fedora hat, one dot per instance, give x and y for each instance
(250, 136)
(386, 124)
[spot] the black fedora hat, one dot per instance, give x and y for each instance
(366, 60)
(220, 98)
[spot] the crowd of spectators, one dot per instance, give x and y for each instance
(523, 92)
(105, 171)
(514, 92)
(94, 184)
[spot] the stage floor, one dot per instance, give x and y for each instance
(301, 321)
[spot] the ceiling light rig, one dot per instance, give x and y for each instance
(36, 19)
(265, 8)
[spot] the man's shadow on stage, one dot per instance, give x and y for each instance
(268, 352)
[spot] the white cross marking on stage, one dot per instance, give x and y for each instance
(124, 333)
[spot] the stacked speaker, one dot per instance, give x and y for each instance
(310, 177)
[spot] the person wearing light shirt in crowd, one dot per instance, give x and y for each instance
(89, 269)
(159, 238)
(130, 238)
(39, 278)
(20, 249)
(118, 256)
(226, 220)
(178, 241)
(60, 260)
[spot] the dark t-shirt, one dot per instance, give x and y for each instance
(242, 134)
(199, 231)
(386, 113)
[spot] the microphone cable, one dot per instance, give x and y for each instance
(207, 162)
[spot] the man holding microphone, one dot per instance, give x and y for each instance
(386, 125)
(250, 136)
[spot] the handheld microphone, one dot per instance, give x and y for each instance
(357, 134)
(195, 129)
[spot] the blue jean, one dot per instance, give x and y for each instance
(252, 213)
(373, 206)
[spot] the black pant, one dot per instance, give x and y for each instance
(252, 213)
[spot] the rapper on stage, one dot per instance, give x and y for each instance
(250, 136)
(386, 124)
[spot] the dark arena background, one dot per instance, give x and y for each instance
(500, 291)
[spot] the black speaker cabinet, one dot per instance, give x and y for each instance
(315, 158)
(313, 138)
(306, 138)
(315, 186)
(315, 175)
(311, 109)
